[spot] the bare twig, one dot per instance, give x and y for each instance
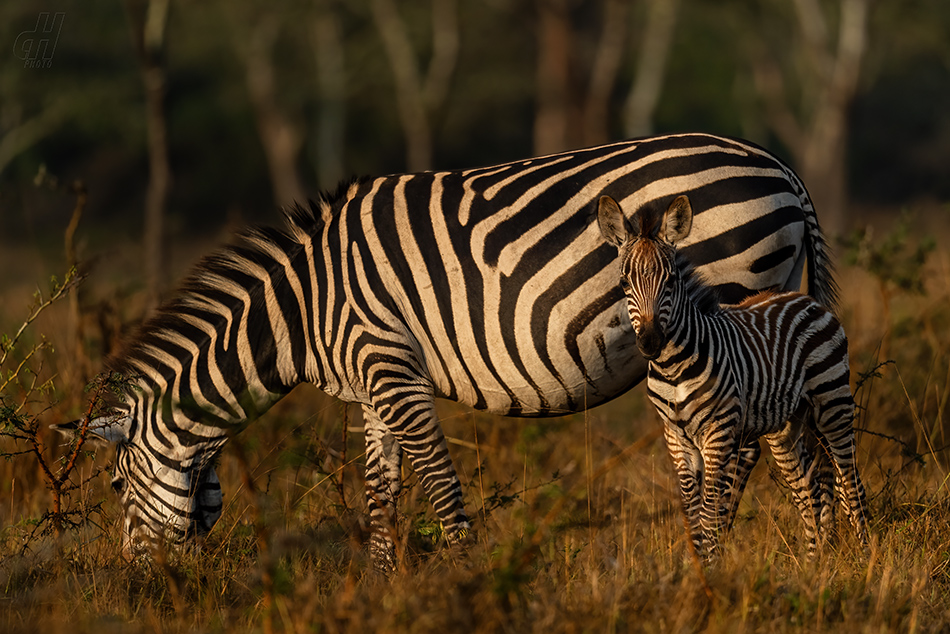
(59, 290)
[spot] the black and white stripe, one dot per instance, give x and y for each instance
(774, 366)
(487, 286)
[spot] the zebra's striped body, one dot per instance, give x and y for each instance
(722, 377)
(488, 286)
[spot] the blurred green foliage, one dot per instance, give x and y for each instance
(893, 260)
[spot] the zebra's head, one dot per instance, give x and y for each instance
(165, 500)
(649, 273)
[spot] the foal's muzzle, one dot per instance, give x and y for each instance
(650, 341)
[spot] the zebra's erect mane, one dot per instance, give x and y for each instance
(703, 295)
(251, 249)
(310, 217)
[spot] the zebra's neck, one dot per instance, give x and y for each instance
(237, 338)
(688, 342)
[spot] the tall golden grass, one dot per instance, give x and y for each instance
(577, 518)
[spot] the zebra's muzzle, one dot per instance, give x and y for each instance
(650, 342)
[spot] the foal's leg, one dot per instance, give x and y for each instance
(835, 418)
(737, 472)
(828, 390)
(795, 464)
(688, 463)
(722, 465)
(820, 467)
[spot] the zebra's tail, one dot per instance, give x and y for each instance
(821, 279)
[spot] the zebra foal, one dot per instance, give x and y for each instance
(721, 377)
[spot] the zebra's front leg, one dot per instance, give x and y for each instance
(722, 464)
(407, 411)
(383, 485)
(689, 470)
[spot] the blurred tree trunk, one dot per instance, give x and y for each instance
(566, 114)
(830, 70)
(603, 76)
(419, 99)
(655, 45)
(556, 113)
(148, 33)
(331, 79)
(281, 138)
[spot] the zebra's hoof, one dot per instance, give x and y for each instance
(462, 538)
(384, 565)
(383, 553)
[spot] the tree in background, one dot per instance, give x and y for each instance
(656, 41)
(825, 69)
(149, 34)
(556, 114)
(281, 137)
(568, 115)
(330, 54)
(419, 98)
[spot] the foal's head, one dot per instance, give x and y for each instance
(649, 273)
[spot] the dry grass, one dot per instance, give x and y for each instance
(577, 521)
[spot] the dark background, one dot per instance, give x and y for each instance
(522, 81)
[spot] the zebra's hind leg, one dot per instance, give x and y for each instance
(797, 468)
(383, 485)
(738, 472)
(835, 418)
(821, 468)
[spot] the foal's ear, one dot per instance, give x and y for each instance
(613, 225)
(677, 221)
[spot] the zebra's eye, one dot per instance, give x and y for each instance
(118, 484)
(624, 284)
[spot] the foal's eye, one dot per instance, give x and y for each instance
(118, 484)
(624, 284)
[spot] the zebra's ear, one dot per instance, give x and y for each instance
(677, 221)
(613, 225)
(105, 429)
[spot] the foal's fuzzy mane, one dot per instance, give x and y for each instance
(648, 222)
(703, 295)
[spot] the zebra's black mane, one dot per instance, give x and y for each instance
(704, 296)
(250, 247)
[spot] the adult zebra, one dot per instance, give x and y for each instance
(487, 286)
